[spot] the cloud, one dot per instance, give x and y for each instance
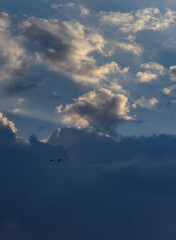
(152, 71)
(145, 103)
(100, 108)
(12, 54)
(145, 76)
(102, 183)
(167, 91)
(134, 48)
(115, 87)
(173, 73)
(140, 20)
(4, 122)
(84, 12)
(18, 70)
(66, 47)
(69, 5)
(21, 101)
(19, 111)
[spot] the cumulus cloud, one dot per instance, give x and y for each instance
(145, 103)
(100, 108)
(66, 47)
(140, 20)
(152, 71)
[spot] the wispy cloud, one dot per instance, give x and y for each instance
(140, 20)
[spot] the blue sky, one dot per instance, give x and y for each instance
(92, 83)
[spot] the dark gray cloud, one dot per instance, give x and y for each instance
(103, 189)
(51, 45)
(67, 48)
(18, 71)
(24, 79)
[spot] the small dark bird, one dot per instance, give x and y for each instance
(59, 160)
(51, 160)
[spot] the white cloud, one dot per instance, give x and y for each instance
(84, 11)
(115, 87)
(156, 67)
(152, 71)
(5, 122)
(134, 48)
(142, 19)
(145, 103)
(168, 90)
(99, 108)
(145, 76)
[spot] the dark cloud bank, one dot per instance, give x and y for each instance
(101, 189)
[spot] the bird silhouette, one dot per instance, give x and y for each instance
(51, 160)
(59, 160)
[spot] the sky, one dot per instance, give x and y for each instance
(92, 83)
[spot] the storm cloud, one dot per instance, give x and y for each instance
(101, 189)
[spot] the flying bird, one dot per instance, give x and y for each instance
(59, 160)
(51, 160)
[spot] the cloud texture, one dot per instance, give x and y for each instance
(101, 190)
(100, 109)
